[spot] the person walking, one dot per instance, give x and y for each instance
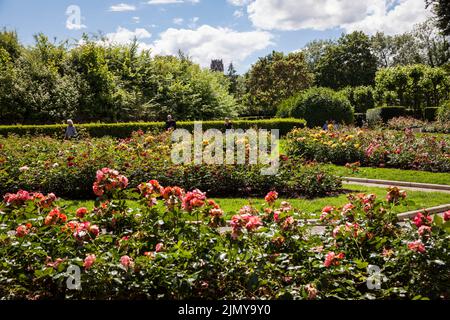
(170, 123)
(228, 124)
(71, 131)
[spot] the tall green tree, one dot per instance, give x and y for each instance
(442, 10)
(233, 78)
(350, 62)
(273, 78)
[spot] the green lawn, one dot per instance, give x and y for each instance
(418, 200)
(385, 173)
(392, 174)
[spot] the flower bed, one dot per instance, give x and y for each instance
(379, 148)
(68, 167)
(153, 252)
(403, 123)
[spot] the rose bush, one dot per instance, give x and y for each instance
(379, 148)
(68, 167)
(402, 123)
(156, 251)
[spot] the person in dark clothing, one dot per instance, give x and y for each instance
(71, 132)
(170, 123)
(228, 124)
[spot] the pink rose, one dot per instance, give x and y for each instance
(447, 215)
(126, 261)
(89, 261)
(159, 247)
(417, 246)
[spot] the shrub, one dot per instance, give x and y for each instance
(380, 148)
(383, 114)
(443, 113)
(318, 105)
(361, 98)
(413, 86)
(430, 113)
(123, 130)
(152, 251)
(66, 167)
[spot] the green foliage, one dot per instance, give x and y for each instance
(361, 98)
(318, 105)
(153, 251)
(443, 113)
(442, 11)
(123, 130)
(384, 114)
(272, 79)
(350, 62)
(66, 167)
(371, 148)
(414, 86)
(48, 83)
(430, 114)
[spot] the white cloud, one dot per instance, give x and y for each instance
(124, 36)
(75, 26)
(178, 20)
(399, 19)
(238, 3)
(122, 7)
(206, 43)
(136, 19)
(391, 16)
(238, 13)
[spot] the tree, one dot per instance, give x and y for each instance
(273, 78)
(217, 65)
(233, 78)
(395, 50)
(442, 10)
(350, 62)
(435, 49)
(314, 50)
(413, 86)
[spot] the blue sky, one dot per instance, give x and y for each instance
(234, 30)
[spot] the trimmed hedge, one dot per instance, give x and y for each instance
(430, 113)
(384, 114)
(123, 130)
(318, 105)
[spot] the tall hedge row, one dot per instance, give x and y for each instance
(123, 130)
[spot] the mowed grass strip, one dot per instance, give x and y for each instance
(416, 200)
(392, 174)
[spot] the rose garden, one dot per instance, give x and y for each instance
(96, 202)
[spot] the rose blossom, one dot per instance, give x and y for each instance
(159, 247)
(447, 215)
(81, 212)
(416, 246)
(311, 290)
(22, 231)
(271, 197)
(126, 261)
(89, 261)
(420, 219)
